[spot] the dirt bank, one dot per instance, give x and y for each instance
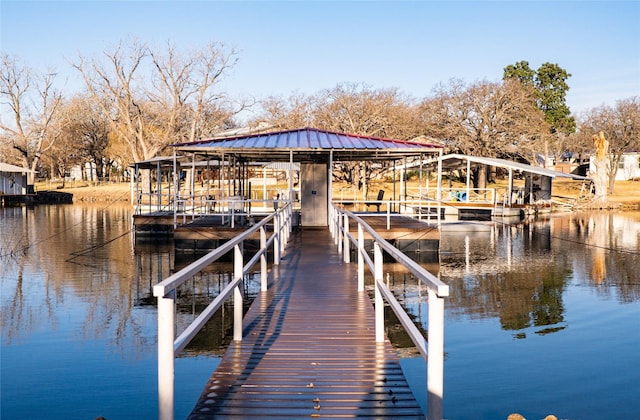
(82, 192)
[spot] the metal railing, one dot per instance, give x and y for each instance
(437, 290)
(230, 209)
(168, 345)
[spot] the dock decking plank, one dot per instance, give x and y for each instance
(309, 348)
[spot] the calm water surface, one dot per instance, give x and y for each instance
(543, 317)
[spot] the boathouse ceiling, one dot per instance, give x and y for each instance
(307, 145)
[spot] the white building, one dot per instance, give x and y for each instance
(13, 180)
(628, 168)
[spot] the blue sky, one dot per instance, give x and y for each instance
(304, 46)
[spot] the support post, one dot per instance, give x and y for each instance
(263, 259)
(346, 256)
(284, 232)
(360, 258)
(276, 240)
(435, 363)
(237, 294)
(378, 302)
(166, 356)
(388, 217)
(339, 237)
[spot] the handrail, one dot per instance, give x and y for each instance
(165, 291)
(437, 290)
(227, 207)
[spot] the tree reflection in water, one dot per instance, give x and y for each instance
(518, 273)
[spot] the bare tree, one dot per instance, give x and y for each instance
(84, 136)
(620, 126)
(158, 98)
(351, 108)
(358, 109)
(184, 86)
(285, 114)
(33, 103)
(486, 119)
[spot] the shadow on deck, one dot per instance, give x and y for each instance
(309, 348)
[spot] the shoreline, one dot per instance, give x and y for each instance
(626, 196)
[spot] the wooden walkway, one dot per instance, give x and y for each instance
(309, 348)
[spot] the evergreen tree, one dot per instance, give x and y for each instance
(550, 84)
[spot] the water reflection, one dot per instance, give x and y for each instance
(611, 260)
(519, 273)
(61, 258)
(76, 303)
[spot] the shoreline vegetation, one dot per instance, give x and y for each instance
(626, 194)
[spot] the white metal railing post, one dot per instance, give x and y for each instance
(435, 350)
(263, 260)
(285, 230)
(332, 218)
(340, 237)
(360, 258)
(334, 213)
(276, 240)
(237, 293)
(166, 356)
(336, 226)
(378, 302)
(346, 256)
(388, 217)
(283, 235)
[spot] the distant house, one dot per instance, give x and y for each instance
(13, 180)
(628, 168)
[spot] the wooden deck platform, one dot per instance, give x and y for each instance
(309, 348)
(209, 232)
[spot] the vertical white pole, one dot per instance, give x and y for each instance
(510, 187)
(166, 336)
(339, 240)
(159, 186)
(283, 227)
(331, 219)
(330, 182)
(378, 302)
(360, 258)
(439, 180)
(435, 350)
(237, 294)
(346, 256)
(263, 259)
(336, 226)
(468, 179)
(388, 217)
(276, 240)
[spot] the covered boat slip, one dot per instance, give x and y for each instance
(533, 195)
(241, 179)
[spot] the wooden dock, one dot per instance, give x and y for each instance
(209, 232)
(309, 348)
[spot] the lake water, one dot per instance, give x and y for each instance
(543, 317)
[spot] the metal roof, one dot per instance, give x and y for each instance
(456, 161)
(7, 168)
(308, 144)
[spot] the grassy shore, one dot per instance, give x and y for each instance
(626, 193)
